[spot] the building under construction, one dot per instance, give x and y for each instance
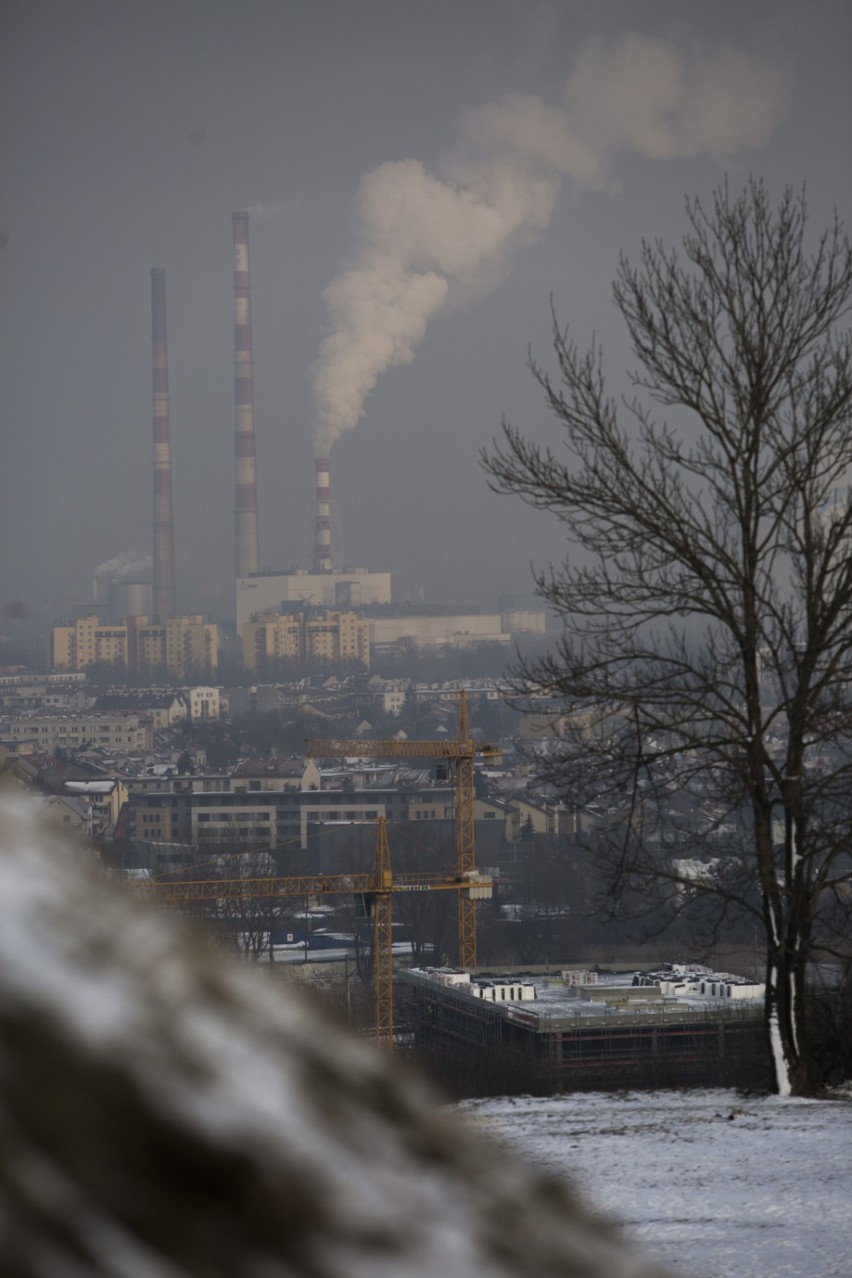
(479, 1043)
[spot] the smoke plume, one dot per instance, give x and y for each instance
(130, 563)
(429, 243)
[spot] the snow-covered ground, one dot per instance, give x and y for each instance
(713, 1184)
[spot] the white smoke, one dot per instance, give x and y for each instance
(264, 210)
(429, 243)
(129, 564)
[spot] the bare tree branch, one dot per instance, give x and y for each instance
(706, 647)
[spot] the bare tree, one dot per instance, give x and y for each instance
(429, 917)
(706, 650)
(239, 912)
(250, 919)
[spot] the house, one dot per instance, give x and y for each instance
(73, 814)
(163, 708)
(105, 797)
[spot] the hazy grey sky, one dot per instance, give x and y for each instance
(447, 165)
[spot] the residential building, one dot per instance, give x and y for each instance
(163, 707)
(191, 645)
(179, 645)
(86, 642)
(70, 813)
(45, 731)
(105, 798)
(204, 702)
(332, 637)
(266, 804)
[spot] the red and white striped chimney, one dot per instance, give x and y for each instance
(322, 519)
(247, 554)
(164, 535)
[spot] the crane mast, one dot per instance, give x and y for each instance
(461, 751)
(376, 889)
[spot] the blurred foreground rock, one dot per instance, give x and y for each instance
(166, 1113)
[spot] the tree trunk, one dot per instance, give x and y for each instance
(785, 1019)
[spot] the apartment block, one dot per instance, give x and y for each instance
(181, 645)
(44, 732)
(332, 637)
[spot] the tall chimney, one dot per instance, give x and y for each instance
(245, 500)
(322, 519)
(164, 532)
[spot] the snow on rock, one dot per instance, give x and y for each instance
(164, 1113)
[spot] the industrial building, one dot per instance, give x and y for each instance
(572, 1037)
(278, 631)
(273, 591)
(449, 628)
(258, 594)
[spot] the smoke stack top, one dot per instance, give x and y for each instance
(247, 554)
(164, 539)
(430, 243)
(322, 518)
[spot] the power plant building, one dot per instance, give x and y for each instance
(271, 592)
(450, 630)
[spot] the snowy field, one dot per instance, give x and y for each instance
(713, 1184)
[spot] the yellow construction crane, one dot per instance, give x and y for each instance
(376, 889)
(461, 751)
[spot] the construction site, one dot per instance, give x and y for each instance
(373, 890)
(479, 1039)
(486, 1033)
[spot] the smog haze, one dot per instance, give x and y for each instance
(420, 180)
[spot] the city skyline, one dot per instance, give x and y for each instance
(442, 171)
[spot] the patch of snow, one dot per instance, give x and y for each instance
(711, 1183)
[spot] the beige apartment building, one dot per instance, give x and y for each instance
(86, 642)
(191, 644)
(180, 645)
(45, 732)
(335, 637)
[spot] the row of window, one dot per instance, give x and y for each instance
(352, 814)
(225, 818)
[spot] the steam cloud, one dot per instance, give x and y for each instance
(130, 563)
(433, 243)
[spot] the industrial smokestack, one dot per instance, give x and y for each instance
(322, 519)
(164, 534)
(245, 500)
